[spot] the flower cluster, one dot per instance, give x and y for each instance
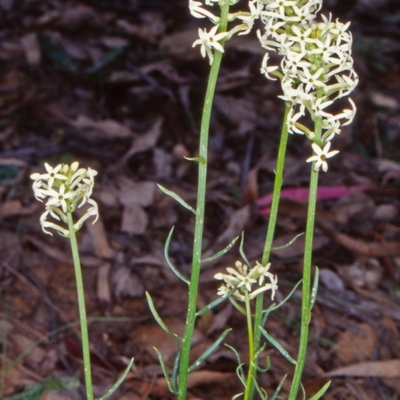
(316, 68)
(210, 41)
(63, 187)
(242, 279)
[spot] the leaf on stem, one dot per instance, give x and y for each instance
(175, 368)
(242, 251)
(200, 160)
(278, 346)
(278, 389)
(263, 394)
(158, 318)
(173, 389)
(222, 252)
(215, 303)
(275, 306)
(196, 364)
(239, 369)
(321, 391)
(119, 381)
(169, 262)
(177, 198)
(314, 289)
(287, 244)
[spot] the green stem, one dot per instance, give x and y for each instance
(306, 283)
(82, 309)
(251, 371)
(280, 162)
(200, 212)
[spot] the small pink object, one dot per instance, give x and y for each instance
(301, 195)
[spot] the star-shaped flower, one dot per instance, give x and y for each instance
(321, 155)
(210, 40)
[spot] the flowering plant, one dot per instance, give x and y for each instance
(64, 187)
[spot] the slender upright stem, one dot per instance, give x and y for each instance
(250, 374)
(280, 162)
(82, 309)
(306, 283)
(200, 212)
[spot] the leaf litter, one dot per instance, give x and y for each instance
(118, 86)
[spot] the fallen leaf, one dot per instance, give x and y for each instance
(30, 45)
(356, 343)
(237, 222)
(377, 369)
(145, 141)
(108, 127)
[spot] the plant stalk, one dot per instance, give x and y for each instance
(200, 212)
(82, 309)
(306, 283)
(280, 162)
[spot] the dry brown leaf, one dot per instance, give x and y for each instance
(237, 222)
(73, 16)
(239, 111)
(134, 220)
(361, 247)
(14, 208)
(377, 369)
(145, 141)
(356, 343)
(108, 127)
(138, 193)
(126, 283)
(30, 45)
(147, 336)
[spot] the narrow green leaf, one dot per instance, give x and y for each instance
(321, 391)
(303, 391)
(158, 318)
(177, 198)
(287, 244)
(105, 60)
(221, 337)
(274, 306)
(215, 303)
(314, 289)
(200, 160)
(241, 251)
(239, 369)
(222, 252)
(169, 262)
(175, 368)
(262, 393)
(278, 346)
(278, 389)
(165, 372)
(33, 392)
(118, 382)
(237, 305)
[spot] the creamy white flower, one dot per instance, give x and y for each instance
(311, 80)
(265, 69)
(63, 187)
(209, 41)
(321, 155)
(242, 279)
(197, 11)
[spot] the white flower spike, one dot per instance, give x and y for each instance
(64, 186)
